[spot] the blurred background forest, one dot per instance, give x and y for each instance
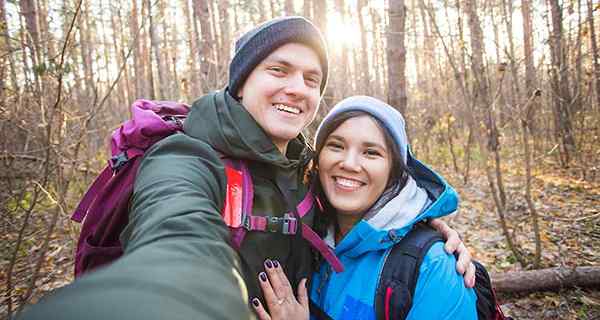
(500, 96)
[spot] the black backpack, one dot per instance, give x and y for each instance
(401, 271)
(399, 277)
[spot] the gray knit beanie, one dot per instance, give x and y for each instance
(256, 44)
(391, 119)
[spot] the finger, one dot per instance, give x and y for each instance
(260, 310)
(470, 276)
(464, 259)
(285, 282)
(303, 294)
(451, 236)
(270, 296)
(278, 280)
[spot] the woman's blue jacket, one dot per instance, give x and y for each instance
(440, 292)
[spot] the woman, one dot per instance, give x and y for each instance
(376, 192)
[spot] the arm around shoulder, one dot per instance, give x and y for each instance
(440, 292)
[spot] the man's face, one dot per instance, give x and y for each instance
(282, 93)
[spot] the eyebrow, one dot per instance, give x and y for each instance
(377, 145)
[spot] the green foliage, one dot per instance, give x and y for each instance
(40, 69)
(13, 204)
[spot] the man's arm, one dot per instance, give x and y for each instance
(177, 264)
(440, 292)
(453, 244)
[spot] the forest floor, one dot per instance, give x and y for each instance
(568, 204)
(569, 209)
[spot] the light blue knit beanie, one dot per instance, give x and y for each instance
(391, 119)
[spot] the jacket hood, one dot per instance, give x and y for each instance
(388, 226)
(223, 122)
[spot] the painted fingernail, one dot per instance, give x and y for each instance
(255, 302)
(262, 276)
(275, 264)
(269, 264)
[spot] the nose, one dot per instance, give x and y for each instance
(295, 85)
(350, 162)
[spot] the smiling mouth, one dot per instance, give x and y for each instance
(346, 183)
(287, 109)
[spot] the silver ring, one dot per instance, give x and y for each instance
(280, 302)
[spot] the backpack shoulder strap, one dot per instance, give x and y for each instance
(398, 279)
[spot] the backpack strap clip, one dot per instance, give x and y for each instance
(118, 161)
(286, 225)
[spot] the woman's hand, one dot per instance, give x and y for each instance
(279, 295)
(453, 244)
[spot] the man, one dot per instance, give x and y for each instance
(177, 261)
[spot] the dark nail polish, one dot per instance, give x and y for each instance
(275, 264)
(255, 302)
(262, 276)
(269, 264)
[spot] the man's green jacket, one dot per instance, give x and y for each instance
(177, 262)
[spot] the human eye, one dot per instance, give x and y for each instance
(334, 145)
(276, 70)
(372, 152)
(312, 81)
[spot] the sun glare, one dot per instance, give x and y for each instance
(342, 33)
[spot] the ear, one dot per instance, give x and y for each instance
(240, 93)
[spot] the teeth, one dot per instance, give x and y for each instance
(289, 109)
(347, 182)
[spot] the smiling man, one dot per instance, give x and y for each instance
(178, 262)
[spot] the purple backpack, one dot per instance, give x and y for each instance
(104, 209)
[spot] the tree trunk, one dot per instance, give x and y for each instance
(166, 51)
(106, 50)
(594, 47)
(341, 82)
(578, 85)
(378, 64)
(320, 15)
(205, 40)
(219, 70)
(396, 56)
(507, 8)
(481, 91)
(86, 53)
(560, 86)
(289, 8)
(530, 78)
(7, 49)
(190, 82)
(274, 11)
(546, 279)
(225, 31)
(307, 9)
(147, 53)
(426, 71)
(363, 75)
(140, 76)
(484, 105)
(29, 11)
(155, 48)
(119, 45)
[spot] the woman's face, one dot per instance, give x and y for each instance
(354, 165)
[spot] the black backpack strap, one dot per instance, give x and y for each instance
(396, 288)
